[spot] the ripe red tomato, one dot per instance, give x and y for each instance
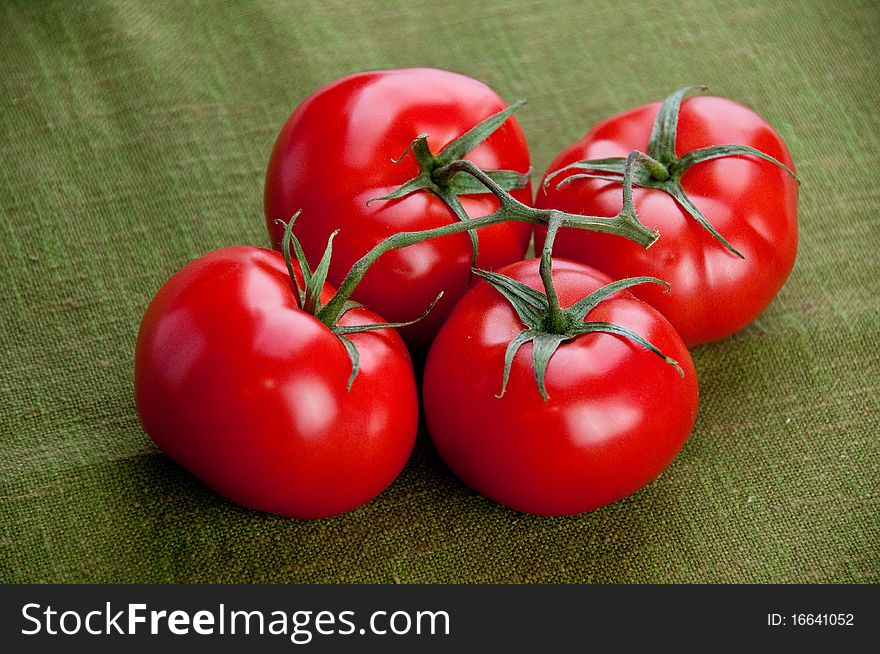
(247, 392)
(616, 416)
(750, 201)
(335, 153)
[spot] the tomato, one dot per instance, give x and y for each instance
(335, 153)
(751, 202)
(247, 392)
(616, 416)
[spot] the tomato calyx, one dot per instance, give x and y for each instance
(660, 168)
(308, 296)
(547, 324)
(532, 307)
(431, 166)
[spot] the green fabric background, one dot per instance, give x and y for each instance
(133, 137)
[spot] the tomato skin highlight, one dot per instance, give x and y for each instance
(751, 202)
(248, 393)
(617, 413)
(334, 154)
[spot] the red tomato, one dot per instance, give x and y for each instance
(334, 154)
(751, 202)
(616, 416)
(248, 393)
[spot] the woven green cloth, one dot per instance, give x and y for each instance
(134, 137)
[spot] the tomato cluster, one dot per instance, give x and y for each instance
(400, 209)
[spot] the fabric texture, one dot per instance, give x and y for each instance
(134, 137)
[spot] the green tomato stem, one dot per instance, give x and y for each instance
(510, 210)
(556, 322)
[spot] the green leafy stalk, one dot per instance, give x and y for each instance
(308, 296)
(447, 188)
(660, 168)
(547, 324)
(625, 224)
(555, 316)
(342, 332)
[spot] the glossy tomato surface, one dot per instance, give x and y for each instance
(335, 153)
(617, 414)
(247, 392)
(751, 202)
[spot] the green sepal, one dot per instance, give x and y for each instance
(661, 145)
(418, 143)
(685, 161)
(614, 165)
(308, 297)
(618, 330)
(580, 309)
(419, 183)
(574, 178)
(342, 332)
(316, 282)
(616, 168)
(348, 306)
(355, 358)
(530, 305)
(544, 345)
(289, 241)
(674, 188)
(512, 348)
(460, 146)
(355, 329)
